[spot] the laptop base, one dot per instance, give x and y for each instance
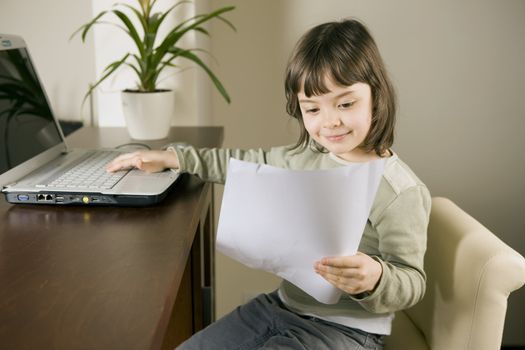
(97, 199)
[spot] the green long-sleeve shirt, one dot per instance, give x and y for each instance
(395, 234)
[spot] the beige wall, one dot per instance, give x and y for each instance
(458, 69)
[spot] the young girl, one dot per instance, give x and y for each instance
(338, 90)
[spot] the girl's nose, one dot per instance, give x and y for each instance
(331, 120)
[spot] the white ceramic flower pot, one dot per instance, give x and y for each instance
(148, 114)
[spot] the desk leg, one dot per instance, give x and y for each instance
(203, 268)
(209, 264)
(194, 307)
(180, 326)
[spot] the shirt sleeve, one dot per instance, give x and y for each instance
(211, 164)
(402, 230)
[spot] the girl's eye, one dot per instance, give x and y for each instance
(312, 110)
(346, 105)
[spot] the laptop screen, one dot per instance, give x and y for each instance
(27, 126)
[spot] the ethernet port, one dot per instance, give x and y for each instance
(45, 197)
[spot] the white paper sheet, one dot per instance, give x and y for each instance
(283, 221)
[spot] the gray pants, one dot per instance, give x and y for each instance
(265, 323)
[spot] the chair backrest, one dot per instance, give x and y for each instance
(470, 273)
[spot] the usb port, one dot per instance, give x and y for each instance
(59, 199)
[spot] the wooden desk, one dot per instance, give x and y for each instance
(106, 277)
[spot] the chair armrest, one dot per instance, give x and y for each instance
(471, 273)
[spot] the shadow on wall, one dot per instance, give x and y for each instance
(69, 126)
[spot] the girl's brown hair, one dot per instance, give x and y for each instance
(345, 52)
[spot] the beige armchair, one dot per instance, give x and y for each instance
(470, 273)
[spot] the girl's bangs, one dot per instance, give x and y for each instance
(315, 77)
(314, 82)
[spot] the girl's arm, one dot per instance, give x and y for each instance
(210, 164)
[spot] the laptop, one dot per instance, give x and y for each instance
(36, 165)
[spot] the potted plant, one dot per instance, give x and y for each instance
(147, 108)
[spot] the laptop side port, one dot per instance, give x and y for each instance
(23, 197)
(59, 199)
(44, 197)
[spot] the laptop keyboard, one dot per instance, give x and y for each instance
(88, 173)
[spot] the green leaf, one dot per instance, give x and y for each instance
(86, 27)
(131, 30)
(202, 30)
(174, 36)
(228, 23)
(138, 14)
(110, 69)
(192, 57)
(155, 25)
(168, 11)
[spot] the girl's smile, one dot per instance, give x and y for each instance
(337, 138)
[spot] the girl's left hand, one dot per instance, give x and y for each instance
(352, 274)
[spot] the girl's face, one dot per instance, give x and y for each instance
(340, 119)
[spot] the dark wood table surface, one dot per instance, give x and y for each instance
(98, 277)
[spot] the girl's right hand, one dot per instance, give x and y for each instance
(149, 161)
